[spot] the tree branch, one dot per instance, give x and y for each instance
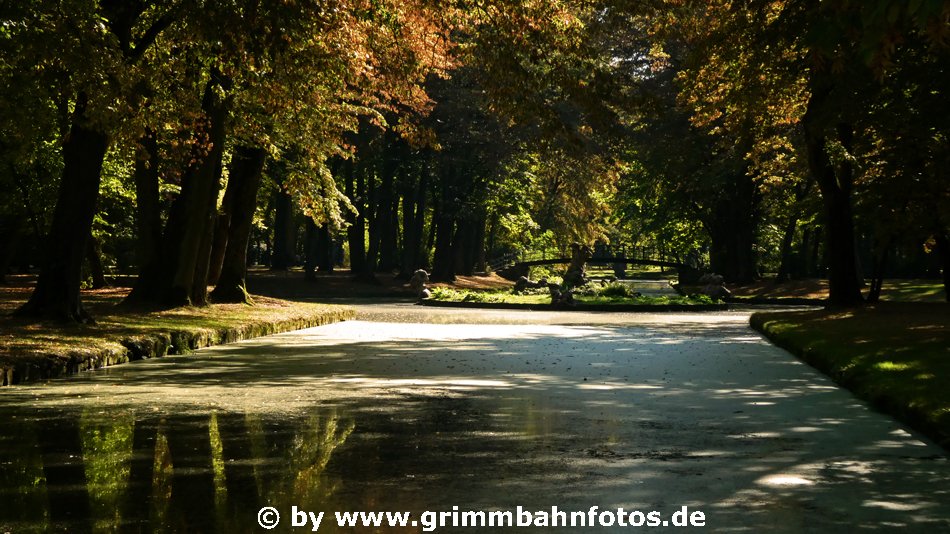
(151, 34)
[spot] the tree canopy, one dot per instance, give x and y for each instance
(182, 140)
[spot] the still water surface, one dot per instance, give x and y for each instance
(648, 413)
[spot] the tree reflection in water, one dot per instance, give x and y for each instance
(185, 472)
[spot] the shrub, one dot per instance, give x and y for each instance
(615, 290)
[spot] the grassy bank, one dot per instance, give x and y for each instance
(541, 297)
(38, 351)
(913, 290)
(894, 355)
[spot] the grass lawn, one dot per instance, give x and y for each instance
(913, 290)
(543, 298)
(894, 355)
(31, 351)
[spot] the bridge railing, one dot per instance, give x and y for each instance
(601, 251)
(512, 258)
(633, 253)
(504, 261)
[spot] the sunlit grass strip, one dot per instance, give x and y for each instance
(896, 356)
(31, 352)
(542, 299)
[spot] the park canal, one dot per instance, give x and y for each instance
(481, 410)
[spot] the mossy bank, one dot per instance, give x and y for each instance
(31, 352)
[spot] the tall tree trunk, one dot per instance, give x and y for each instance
(429, 245)
(325, 249)
(372, 211)
(414, 220)
(835, 186)
(199, 285)
(787, 268)
(877, 274)
(148, 221)
(479, 242)
(222, 227)
(356, 232)
(219, 243)
(410, 238)
(733, 231)
(186, 236)
(463, 246)
(247, 167)
(284, 232)
(785, 250)
(387, 218)
(57, 289)
(443, 261)
(310, 251)
(445, 220)
(803, 254)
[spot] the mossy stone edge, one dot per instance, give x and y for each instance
(156, 345)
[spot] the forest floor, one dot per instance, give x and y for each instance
(895, 355)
